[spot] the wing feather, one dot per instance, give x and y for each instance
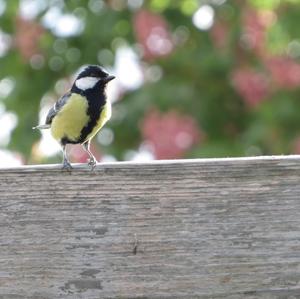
(57, 107)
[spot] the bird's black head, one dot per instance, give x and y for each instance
(92, 76)
(92, 71)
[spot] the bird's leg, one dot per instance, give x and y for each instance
(92, 159)
(66, 163)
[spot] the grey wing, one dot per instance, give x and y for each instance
(57, 107)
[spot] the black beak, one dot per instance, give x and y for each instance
(108, 78)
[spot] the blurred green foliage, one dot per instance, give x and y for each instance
(197, 75)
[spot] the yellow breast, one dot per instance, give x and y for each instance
(70, 120)
(104, 117)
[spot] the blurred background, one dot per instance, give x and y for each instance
(195, 78)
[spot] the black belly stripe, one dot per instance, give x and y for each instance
(94, 113)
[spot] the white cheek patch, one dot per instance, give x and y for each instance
(86, 82)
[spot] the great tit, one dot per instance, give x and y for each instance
(80, 113)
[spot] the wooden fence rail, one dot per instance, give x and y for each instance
(211, 228)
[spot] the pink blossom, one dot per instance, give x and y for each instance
(251, 85)
(255, 24)
(28, 34)
(220, 34)
(153, 34)
(170, 135)
(285, 71)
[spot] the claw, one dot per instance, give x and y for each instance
(92, 162)
(67, 165)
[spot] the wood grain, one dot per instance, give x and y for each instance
(212, 228)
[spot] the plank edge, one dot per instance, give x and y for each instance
(123, 164)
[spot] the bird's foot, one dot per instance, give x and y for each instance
(67, 165)
(92, 162)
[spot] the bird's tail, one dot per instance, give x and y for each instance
(41, 127)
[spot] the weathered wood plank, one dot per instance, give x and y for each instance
(213, 228)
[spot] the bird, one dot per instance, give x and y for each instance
(81, 112)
